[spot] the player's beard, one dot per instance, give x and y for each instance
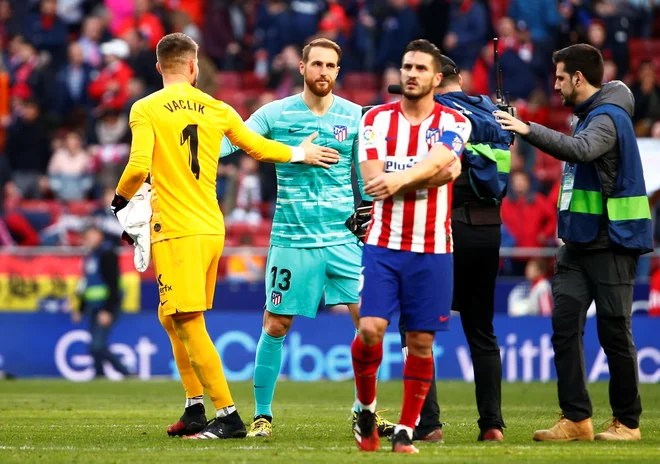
(312, 85)
(418, 92)
(569, 100)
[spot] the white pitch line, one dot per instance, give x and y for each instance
(80, 426)
(267, 448)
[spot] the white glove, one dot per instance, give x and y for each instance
(135, 219)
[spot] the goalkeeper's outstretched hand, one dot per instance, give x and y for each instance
(359, 220)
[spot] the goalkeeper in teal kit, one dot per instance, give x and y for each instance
(312, 251)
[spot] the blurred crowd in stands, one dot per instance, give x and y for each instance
(71, 69)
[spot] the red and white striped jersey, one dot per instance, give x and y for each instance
(540, 298)
(418, 221)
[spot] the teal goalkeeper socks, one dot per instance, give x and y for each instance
(267, 364)
(355, 406)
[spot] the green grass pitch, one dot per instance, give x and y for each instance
(125, 422)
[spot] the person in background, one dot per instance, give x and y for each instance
(100, 298)
(110, 88)
(69, 169)
(140, 59)
(528, 215)
(538, 292)
(468, 32)
(248, 195)
(90, 41)
(399, 26)
(391, 76)
(72, 100)
(28, 150)
(646, 91)
(47, 31)
(107, 221)
(654, 294)
(145, 21)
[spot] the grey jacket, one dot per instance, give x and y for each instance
(597, 143)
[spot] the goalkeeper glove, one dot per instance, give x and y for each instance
(359, 220)
(135, 218)
(118, 203)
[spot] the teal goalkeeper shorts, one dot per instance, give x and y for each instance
(297, 277)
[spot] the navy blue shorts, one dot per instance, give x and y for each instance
(420, 285)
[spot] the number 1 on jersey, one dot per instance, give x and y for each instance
(189, 134)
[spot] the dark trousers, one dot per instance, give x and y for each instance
(99, 349)
(476, 263)
(606, 276)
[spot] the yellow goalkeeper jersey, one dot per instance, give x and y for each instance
(177, 133)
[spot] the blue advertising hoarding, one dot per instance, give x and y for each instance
(48, 345)
(251, 296)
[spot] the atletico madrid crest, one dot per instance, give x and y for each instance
(432, 136)
(341, 133)
(276, 298)
(457, 144)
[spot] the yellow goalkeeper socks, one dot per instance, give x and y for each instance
(191, 329)
(191, 383)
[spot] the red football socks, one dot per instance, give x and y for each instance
(366, 360)
(417, 377)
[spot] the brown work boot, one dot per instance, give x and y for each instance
(567, 430)
(617, 431)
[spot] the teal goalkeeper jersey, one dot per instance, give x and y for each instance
(312, 203)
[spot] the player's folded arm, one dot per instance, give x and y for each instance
(442, 154)
(417, 176)
(442, 157)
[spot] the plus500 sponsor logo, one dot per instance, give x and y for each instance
(400, 163)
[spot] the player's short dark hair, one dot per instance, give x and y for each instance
(449, 71)
(322, 43)
(175, 49)
(424, 46)
(584, 58)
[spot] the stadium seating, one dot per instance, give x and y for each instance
(643, 50)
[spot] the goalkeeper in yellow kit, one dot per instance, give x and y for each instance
(177, 133)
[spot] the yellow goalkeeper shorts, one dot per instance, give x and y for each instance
(187, 270)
